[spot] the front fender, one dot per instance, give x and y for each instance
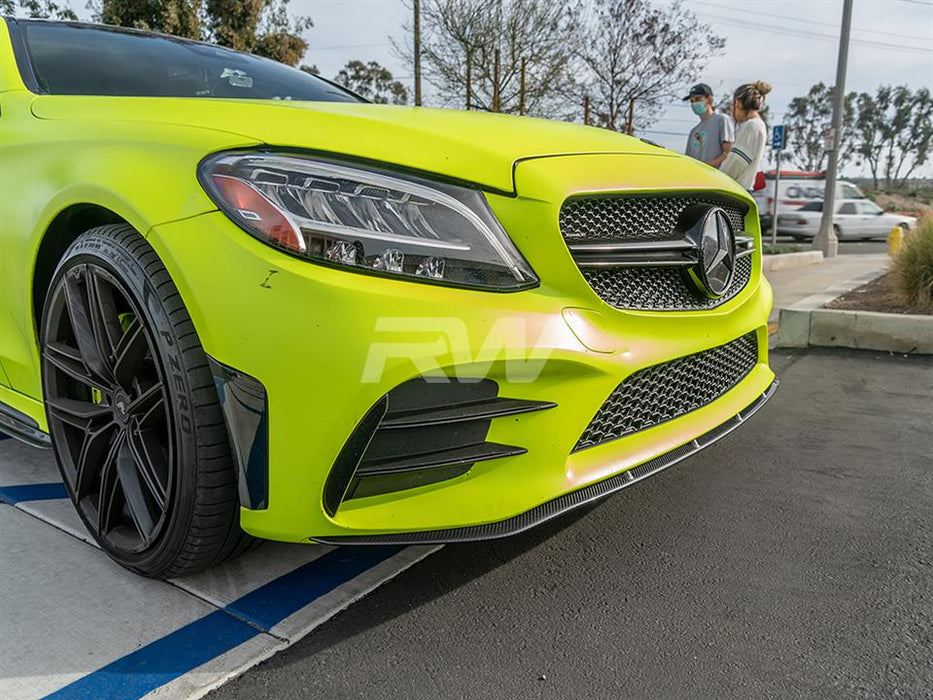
(144, 173)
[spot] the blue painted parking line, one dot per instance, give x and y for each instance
(197, 643)
(198, 632)
(23, 493)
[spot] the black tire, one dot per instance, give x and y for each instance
(801, 239)
(838, 232)
(135, 420)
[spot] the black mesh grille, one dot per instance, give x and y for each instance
(643, 218)
(647, 218)
(663, 392)
(659, 288)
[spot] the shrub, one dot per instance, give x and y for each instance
(913, 267)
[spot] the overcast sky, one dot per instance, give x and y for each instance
(791, 44)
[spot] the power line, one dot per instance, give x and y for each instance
(347, 46)
(899, 35)
(792, 31)
(662, 133)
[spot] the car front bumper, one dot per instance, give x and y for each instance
(327, 345)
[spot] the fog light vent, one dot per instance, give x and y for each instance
(422, 432)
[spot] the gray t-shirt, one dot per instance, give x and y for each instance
(705, 140)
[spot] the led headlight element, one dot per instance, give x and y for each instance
(367, 220)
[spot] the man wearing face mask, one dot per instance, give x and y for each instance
(711, 139)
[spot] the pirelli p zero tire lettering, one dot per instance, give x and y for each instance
(132, 410)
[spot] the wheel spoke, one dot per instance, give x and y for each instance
(105, 321)
(149, 408)
(129, 353)
(140, 507)
(110, 499)
(80, 414)
(68, 360)
(151, 462)
(97, 450)
(88, 321)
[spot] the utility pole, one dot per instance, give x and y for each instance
(521, 93)
(469, 80)
(774, 209)
(630, 124)
(586, 110)
(826, 239)
(778, 144)
(495, 84)
(417, 48)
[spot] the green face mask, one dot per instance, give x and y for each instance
(698, 107)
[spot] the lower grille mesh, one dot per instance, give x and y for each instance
(657, 394)
(659, 288)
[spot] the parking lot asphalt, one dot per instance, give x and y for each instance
(794, 558)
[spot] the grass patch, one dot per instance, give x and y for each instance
(768, 249)
(913, 267)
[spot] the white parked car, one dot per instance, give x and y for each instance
(855, 218)
(795, 190)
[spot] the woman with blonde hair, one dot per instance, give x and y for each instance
(743, 160)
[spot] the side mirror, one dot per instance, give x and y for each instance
(879, 213)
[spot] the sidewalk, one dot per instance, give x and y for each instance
(796, 284)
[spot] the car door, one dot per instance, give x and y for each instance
(873, 224)
(5, 67)
(848, 220)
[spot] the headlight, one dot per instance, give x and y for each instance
(367, 220)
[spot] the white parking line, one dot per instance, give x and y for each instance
(83, 627)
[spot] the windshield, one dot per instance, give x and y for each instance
(81, 59)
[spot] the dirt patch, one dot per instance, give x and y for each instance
(878, 295)
(901, 204)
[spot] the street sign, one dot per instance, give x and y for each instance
(778, 137)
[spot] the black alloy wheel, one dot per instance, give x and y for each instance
(132, 411)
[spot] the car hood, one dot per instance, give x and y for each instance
(472, 146)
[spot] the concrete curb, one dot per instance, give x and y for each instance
(863, 330)
(806, 323)
(788, 260)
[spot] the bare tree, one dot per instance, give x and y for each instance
(637, 56)
(479, 47)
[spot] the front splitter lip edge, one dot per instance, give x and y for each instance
(562, 504)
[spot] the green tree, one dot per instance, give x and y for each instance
(808, 118)
(37, 9)
(372, 81)
(262, 27)
(178, 17)
(894, 132)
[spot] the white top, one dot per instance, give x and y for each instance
(743, 160)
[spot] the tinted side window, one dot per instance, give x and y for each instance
(71, 59)
(847, 208)
(812, 206)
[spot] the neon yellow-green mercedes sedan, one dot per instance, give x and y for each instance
(239, 301)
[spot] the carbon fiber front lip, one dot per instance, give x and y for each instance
(565, 503)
